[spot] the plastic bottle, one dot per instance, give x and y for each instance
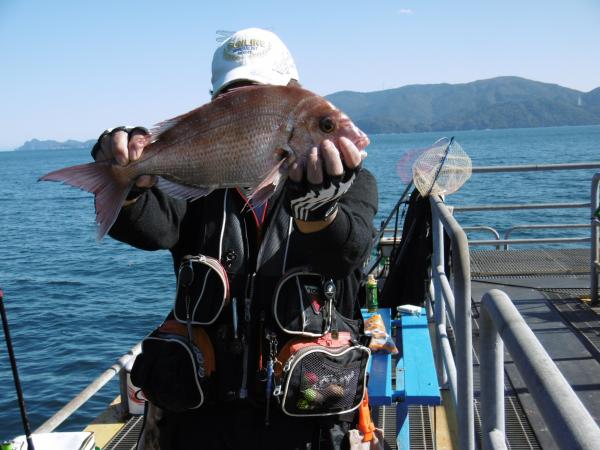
(372, 304)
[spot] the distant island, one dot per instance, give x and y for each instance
(502, 102)
(36, 144)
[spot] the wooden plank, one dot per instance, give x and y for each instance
(420, 377)
(107, 424)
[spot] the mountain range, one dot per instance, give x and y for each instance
(502, 102)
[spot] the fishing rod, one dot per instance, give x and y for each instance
(13, 363)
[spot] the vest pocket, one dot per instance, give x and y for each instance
(301, 305)
(321, 377)
(173, 370)
(202, 290)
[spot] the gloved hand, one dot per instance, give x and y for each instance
(124, 144)
(315, 187)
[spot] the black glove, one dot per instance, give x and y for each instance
(135, 190)
(314, 202)
(130, 130)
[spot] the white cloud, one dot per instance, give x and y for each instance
(405, 11)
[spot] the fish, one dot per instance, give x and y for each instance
(247, 137)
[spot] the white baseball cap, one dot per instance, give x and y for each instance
(252, 54)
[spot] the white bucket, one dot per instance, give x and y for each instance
(135, 396)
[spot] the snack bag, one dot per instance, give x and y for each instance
(380, 338)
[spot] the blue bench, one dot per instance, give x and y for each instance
(416, 376)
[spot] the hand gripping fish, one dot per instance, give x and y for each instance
(246, 137)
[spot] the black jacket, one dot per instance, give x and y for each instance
(222, 225)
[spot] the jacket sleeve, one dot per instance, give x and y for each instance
(151, 223)
(345, 244)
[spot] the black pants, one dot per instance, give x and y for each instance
(239, 425)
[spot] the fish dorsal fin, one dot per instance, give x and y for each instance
(163, 127)
(232, 91)
(183, 191)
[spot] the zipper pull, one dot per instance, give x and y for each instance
(330, 291)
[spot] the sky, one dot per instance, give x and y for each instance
(70, 69)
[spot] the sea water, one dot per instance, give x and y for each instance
(76, 305)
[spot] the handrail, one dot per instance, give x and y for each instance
(568, 420)
(536, 167)
(516, 206)
(594, 257)
(506, 242)
(451, 302)
(549, 226)
(460, 377)
(65, 412)
(483, 228)
(544, 226)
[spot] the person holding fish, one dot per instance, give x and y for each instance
(264, 181)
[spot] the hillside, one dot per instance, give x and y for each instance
(36, 144)
(504, 102)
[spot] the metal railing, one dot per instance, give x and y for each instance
(449, 306)
(455, 370)
(66, 411)
(531, 206)
(451, 298)
(568, 420)
(595, 223)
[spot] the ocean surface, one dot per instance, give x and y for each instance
(76, 305)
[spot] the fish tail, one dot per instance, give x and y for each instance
(109, 183)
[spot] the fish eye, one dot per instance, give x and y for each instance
(327, 124)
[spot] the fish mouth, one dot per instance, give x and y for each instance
(362, 142)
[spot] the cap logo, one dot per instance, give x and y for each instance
(241, 48)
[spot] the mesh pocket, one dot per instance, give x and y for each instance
(323, 382)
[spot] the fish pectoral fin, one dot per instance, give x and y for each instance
(182, 191)
(268, 186)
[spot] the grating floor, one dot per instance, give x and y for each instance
(546, 286)
(519, 432)
(421, 432)
(489, 263)
(579, 316)
(127, 438)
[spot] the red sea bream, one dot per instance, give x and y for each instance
(246, 137)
